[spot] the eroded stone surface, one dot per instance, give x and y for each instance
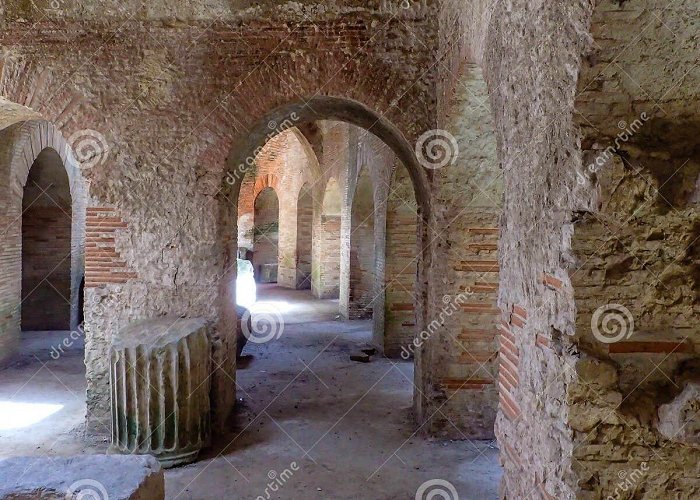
(117, 477)
(679, 420)
(160, 380)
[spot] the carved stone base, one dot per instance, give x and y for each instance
(159, 374)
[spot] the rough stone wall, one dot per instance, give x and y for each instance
(634, 248)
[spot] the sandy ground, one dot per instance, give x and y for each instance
(310, 423)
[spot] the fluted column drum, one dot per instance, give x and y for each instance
(159, 374)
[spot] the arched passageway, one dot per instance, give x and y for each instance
(46, 246)
(362, 249)
(266, 235)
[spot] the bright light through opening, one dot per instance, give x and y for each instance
(21, 415)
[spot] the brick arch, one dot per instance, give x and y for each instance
(310, 152)
(362, 109)
(330, 74)
(265, 181)
(33, 87)
(34, 137)
(245, 147)
(27, 140)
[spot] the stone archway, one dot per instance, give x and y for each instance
(242, 158)
(266, 231)
(38, 141)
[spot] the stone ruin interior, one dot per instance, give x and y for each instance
(350, 249)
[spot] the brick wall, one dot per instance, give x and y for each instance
(362, 251)
(327, 244)
(331, 231)
(266, 230)
(401, 265)
(46, 279)
(199, 104)
(460, 355)
(38, 171)
(305, 218)
(284, 164)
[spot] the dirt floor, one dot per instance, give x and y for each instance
(310, 423)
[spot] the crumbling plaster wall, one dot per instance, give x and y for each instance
(533, 99)
(568, 429)
(634, 246)
(197, 89)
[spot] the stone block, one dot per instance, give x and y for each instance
(160, 384)
(117, 477)
(679, 420)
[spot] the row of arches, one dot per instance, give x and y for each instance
(334, 230)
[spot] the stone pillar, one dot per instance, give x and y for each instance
(159, 374)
